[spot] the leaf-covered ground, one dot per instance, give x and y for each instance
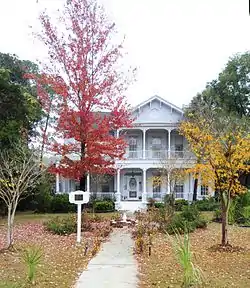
(220, 269)
(62, 260)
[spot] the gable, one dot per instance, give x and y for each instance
(157, 111)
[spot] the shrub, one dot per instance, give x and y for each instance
(238, 210)
(245, 217)
(190, 213)
(143, 232)
(246, 212)
(200, 223)
(180, 225)
(39, 199)
(187, 221)
(93, 217)
(179, 203)
(217, 215)
(104, 206)
(209, 204)
(151, 202)
(159, 205)
(244, 199)
(66, 225)
(62, 225)
(60, 204)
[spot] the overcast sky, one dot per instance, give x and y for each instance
(177, 45)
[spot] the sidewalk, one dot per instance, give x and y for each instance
(114, 266)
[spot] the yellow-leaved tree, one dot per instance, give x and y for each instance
(222, 143)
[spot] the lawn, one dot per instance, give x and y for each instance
(62, 260)
(24, 217)
(220, 269)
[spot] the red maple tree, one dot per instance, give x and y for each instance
(89, 88)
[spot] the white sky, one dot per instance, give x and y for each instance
(177, 45)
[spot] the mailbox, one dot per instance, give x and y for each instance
(79, 197)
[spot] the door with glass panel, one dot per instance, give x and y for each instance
(133, 187)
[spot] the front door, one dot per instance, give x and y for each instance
(133, 188)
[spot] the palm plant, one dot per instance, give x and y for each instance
(32, 257)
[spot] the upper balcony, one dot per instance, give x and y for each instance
(155, 143)
(158, 155)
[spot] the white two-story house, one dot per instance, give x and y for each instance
(153, 144)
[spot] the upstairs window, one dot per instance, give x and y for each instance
(132, 144)
(179, 147)
(179, 151)
(156, 143)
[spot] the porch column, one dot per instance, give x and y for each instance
(144, 143)
(144, 193)
(57, 180)
(190, 192)
(169, 143)
(117, 133)
(118, 193)
(88, 183)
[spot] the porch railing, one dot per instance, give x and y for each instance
(138, 154)
(103, 195)
(158, 154)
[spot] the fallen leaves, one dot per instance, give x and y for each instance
(63, 260)
(225, 269)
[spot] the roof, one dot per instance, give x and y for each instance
(156, 97)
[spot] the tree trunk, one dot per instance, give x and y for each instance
(224, 239)
(195, 189)
(9, 229)
(225, 204)
(82, 183)
(44, 137)
(83, 178)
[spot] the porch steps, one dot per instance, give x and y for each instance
(130, 206)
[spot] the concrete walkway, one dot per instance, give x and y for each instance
(114, 266)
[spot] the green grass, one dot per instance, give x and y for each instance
(24, 217)
(207, 215)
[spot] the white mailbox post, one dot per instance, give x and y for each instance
(79, 197)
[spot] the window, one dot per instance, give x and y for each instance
(204, 190)
(132, 144)
(132, 147)
(179, 191)
(156, 147)
(156, 141)
(156, 185)
(105, 188)
(179, 150)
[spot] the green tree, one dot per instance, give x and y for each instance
(229, 94)
(19, 108)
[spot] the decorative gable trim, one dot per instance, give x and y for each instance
(156, 97)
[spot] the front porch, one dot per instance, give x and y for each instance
(131, 188)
